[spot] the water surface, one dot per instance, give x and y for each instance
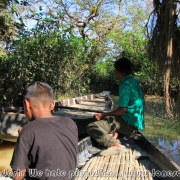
(6, 151)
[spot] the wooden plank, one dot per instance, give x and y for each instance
(126, 166)
(122, 165)
(136, 170)
(146, 172)
(80, 174)
(134, 166)
(100, 168)
(118, 164)
(106, 164)
(76, 108)
(97, 101)
(131, 164)
(90, 168)
(95, 170)
(114, 167)
(141, 172)
(109, 171)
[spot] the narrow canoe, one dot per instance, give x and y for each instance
(141, 160)
(80, 109)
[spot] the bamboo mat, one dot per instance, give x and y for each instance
(122, 166)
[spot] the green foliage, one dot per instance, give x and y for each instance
(134, 46)
(47, 55)
(10, 20)
(103, 76)
(130, 42)
(66, 48)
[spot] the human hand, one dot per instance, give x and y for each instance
(19, 129)
(98, 116)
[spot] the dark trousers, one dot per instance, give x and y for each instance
(100, 130)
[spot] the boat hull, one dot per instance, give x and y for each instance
(9, 124)
(157, 155)
(79, 109)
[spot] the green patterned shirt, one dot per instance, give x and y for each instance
(132, 98)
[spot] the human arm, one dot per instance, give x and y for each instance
(124, 96)
(20, 129)
(19, 175)
(20, 159)
(117, 112)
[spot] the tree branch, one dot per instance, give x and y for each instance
(94, 11)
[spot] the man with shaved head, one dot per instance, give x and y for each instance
(47, 146)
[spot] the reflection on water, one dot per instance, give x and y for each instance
(171, 147)
(164, 134)
(6, 150)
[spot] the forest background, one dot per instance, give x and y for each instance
(72, 45)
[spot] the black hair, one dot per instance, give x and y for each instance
(40, 91)
(123, 65)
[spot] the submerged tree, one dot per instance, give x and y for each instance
(164, 45)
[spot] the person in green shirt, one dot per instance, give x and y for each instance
(127, 118)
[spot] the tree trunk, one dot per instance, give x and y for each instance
(167, 89)
(169, 60)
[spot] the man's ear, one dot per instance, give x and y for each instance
(52, 105)
(27, 104)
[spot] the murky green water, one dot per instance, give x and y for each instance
(6, 151)
(163, 132)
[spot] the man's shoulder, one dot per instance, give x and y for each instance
(131, 81)
(128, 82)
(131, 78)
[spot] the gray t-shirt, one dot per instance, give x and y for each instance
(47, 148)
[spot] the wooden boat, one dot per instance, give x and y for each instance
(80, 109)
(141, 160)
